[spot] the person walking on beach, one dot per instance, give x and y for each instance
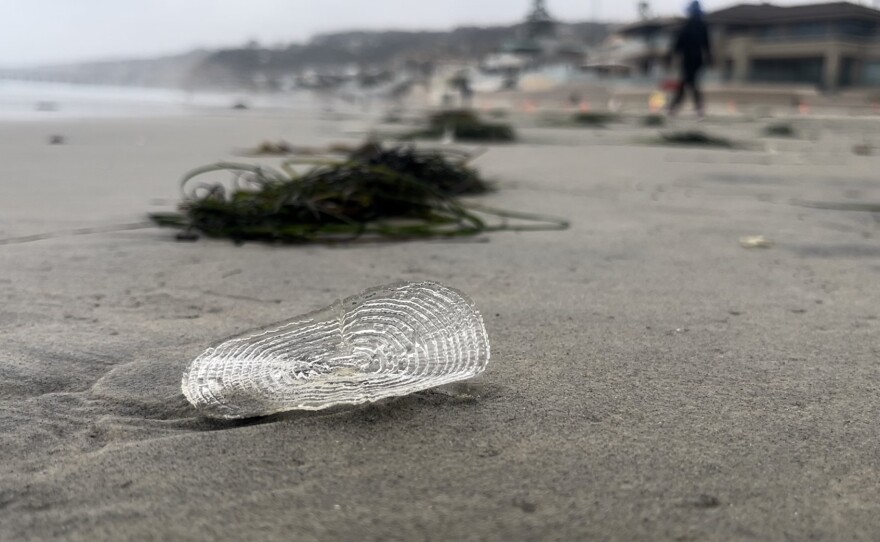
(694, 50)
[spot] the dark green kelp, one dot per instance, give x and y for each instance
(696, 138)
(463, 125)
(372, 193)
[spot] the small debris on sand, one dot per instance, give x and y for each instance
(756, 241)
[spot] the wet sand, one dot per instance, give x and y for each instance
(651, 379)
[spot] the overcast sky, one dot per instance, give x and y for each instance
(51, 31)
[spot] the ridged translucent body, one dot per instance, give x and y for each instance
(385, 342)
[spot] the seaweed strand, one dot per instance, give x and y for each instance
(396, 193)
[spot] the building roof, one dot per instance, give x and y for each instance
(649, 25)
(770, 13)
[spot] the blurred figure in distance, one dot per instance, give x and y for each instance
(693, 49)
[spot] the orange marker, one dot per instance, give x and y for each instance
(657, 102)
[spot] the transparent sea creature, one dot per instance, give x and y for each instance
(385, 342)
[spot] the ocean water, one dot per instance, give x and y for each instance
(34, 101)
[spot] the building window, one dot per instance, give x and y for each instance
(847, 76)
(872, 72)
(809, 30)
(855, 29)
(787, 70)
(771, 32)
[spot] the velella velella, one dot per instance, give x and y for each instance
(385, 342)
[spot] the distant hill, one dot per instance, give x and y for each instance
(376, 50)
(170, 71)
(240, 67)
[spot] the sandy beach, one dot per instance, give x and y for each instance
(651, 379)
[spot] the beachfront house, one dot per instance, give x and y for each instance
(831, 46)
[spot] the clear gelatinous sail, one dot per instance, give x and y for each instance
(385, 342)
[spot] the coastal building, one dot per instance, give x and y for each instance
(541, 37)
(832, 46)
(544, 51)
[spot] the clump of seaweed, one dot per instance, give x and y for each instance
(653, 121)
(447, 171)
(863, 149)
(271, 148)
(780, 129)
(593, 119)
(393, 117)
(697, 138)
(373, 192)
(463, 125)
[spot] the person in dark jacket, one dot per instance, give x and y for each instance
(694, 50)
